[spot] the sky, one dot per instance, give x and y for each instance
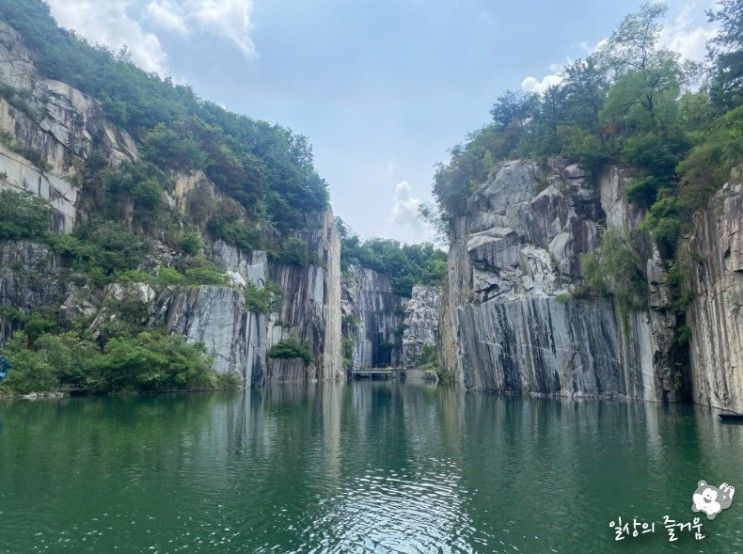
(382, 88)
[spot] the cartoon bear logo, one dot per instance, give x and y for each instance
(712, 500)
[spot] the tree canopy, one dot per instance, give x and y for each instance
(404, 264)
(632, 102)
(267, 168)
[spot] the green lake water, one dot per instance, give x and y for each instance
(362, 467)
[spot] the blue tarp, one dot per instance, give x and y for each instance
(5, 366)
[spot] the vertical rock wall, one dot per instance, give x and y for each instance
(240, 340)
(373, 318)
(53, 122)
(509, 321)
(29, 278)
(713, 258)
(421, 324)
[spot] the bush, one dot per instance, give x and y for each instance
(614, 270)
(23, 216)
(147, 361)
(167, 276)
(102, 250)
(191, 244)
(264, 300)
(206, 274)
(31, 372)
(235, 233)
(291, 348)
(35, 323)
(173, 148)
(295, 251)
(152, 362)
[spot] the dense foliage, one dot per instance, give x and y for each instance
(265, 300)
(23, 216)
(267, 168)
(615, 270)
(291, 348)
(147, 361)
(679, 125)
(405, 264)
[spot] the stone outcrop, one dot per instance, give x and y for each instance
(421, 325)
(29, 278)
(240, 340)
(713, 258)
(510, 322)
(373, 319)
(48, 130)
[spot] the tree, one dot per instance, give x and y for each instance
(513, 108)
(585, 87)
(726, 53)
(23, 216)
(632, 46)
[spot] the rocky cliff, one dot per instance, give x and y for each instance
(420, 337)
(372, 319)
(511, 322)
(713, 258)
(48, 131)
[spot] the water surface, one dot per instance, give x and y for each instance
(364, 467)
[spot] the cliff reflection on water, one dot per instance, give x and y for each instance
(379, 467)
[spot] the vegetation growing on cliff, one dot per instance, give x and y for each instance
(23, 216)
(405, 264)
(291, 348)
(679, 124)
(146, 361)
(130, 230)
(267, 168)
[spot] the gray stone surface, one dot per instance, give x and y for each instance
(509, 322)
(421, 324)
(29, 279)
(373, 319)
(714, 260)
(58, 123)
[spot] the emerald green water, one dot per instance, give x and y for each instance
(362, 467)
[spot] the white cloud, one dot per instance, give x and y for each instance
(532, 84)
(228, 19)
(166, 14)
(114, 24)
(108, 23)
(680, 34)
(405, 207)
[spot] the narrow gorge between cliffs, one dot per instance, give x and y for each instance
(541, 351)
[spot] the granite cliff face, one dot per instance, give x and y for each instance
(29, 277)
(47, 132)
(239, 340)
(421, 325)
(510, 323)
(713, 255)
(372, 319)
(56, 123)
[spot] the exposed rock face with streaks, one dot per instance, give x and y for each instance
(48, 130)
(510, 323)
(239, 340)
(713, 255)
(373, 318)
(29, 277)
(421, 325)
(56, 122)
